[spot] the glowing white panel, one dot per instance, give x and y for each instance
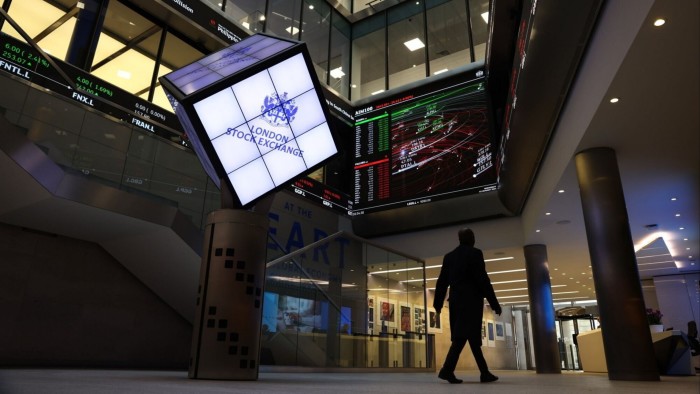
(219, 112)
(251, 181)
(317, 145)
(285, 163)
(236, 66)
(296, 67)
(309, 115)
(200, 83)
(272, 49)
(269, 136)
(236, 148)
(253, 92)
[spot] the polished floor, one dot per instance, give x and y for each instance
(70, 381)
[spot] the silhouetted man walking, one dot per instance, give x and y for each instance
(464, 272)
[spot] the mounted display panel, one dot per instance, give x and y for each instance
(424, 146)
(254, 115)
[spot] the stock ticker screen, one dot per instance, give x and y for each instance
(414, 150)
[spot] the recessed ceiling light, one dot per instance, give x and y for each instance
(548, 213)
(614, 100)
(673, 198)
(537, 231)
(440, 71)
(414, 44)
(311, 6)
(685, 239)
(561, 191)
(659, 22)
(485, 16)
(124, 74)
(678, 215)
(377, 92)
(337, 73)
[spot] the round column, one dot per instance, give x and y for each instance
(539, 289)
(627, 341)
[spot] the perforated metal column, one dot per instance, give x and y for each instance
(226, 334)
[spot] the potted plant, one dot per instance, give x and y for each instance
(654, 318)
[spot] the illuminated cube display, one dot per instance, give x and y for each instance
(254, 114)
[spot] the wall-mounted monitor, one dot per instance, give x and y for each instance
(254, 114)
(419, 148)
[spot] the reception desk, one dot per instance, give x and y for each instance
(671, 349)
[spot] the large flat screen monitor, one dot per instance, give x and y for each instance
(433, 146)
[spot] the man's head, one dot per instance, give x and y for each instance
(466, 236)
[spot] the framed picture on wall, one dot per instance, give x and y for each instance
(500, 331)
(370, 314)
(434, 321)
(405, 319)
(387, 312)
(419, 320)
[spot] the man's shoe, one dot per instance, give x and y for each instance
(449, 377)
(488, 377)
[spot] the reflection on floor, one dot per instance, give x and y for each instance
(59, 381)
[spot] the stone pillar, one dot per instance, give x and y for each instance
(629, 352)
(226, 331)
(539, 287)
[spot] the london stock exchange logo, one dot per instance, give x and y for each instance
(278, 110)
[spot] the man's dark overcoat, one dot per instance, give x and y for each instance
(464, 272)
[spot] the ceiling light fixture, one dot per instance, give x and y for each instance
(377, 92)
(659, 22)
(614, 100)
(560, 191)
(337, 73)
(414, 44)
(498, 258)
(440, 71)
(124, 74)
(485, 16)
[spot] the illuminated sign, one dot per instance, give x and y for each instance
(254, 114)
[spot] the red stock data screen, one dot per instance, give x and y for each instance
(415, 150)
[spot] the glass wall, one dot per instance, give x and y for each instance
(316, 17)
(341, 36)
(448, 40)
(406, 53)
(439, 27)
(284, 19)
(110, 152)
(248, 13)
(366, 310)
(369, 58)
(479, 17)
(385, 50)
